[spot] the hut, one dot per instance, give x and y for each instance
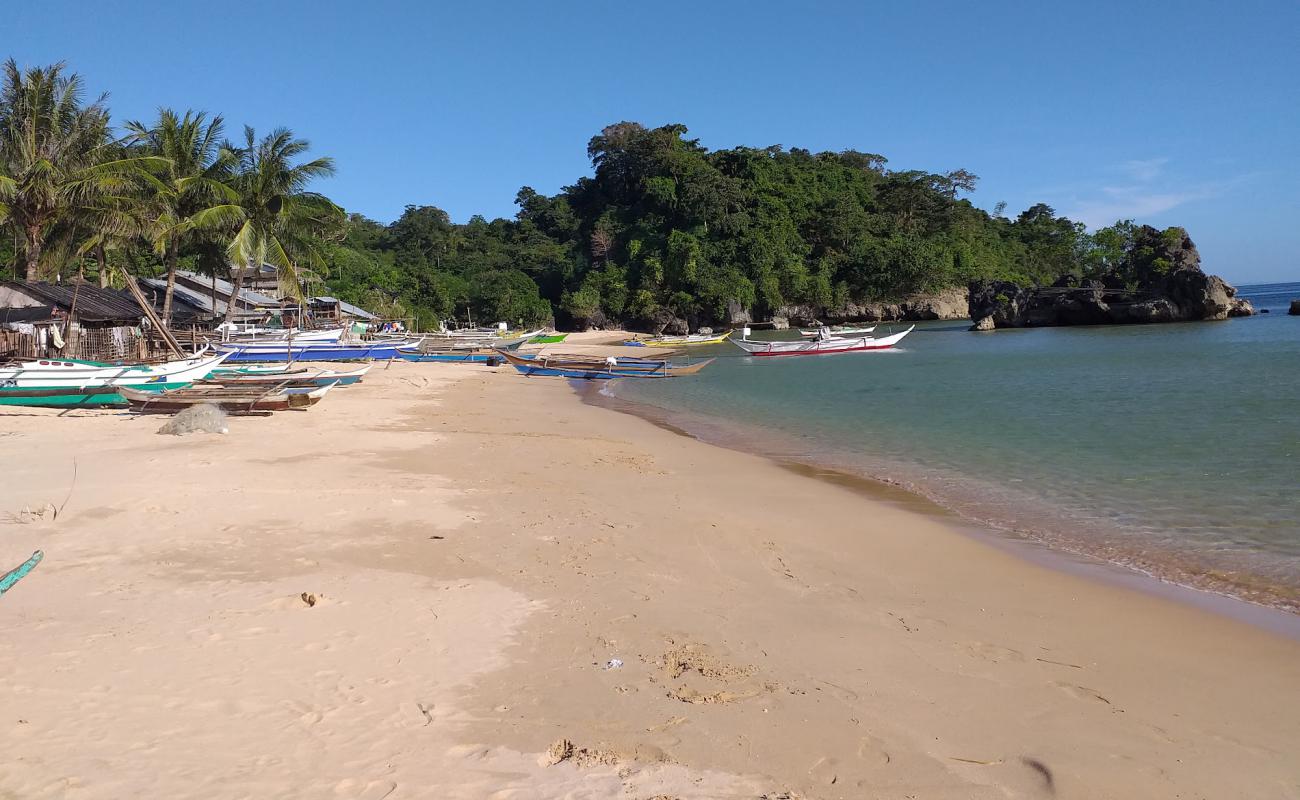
(74, 320)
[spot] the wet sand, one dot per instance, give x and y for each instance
(477, 549)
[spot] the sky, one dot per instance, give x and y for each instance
(1169, 113)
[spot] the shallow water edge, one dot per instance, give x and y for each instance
(1272, 608)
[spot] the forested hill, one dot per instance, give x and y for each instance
(666, 230)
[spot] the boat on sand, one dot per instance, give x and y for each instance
(232, 400)
(69, 383)
(692, 340)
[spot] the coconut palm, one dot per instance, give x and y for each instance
(275, 219)
(56, 154)
(195, 178)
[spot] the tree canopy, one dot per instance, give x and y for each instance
(662, 229)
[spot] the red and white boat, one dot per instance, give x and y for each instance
(826, 343)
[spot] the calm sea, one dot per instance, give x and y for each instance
(1173, 449)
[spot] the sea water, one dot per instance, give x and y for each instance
(1172, 449)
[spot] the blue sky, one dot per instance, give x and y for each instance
(1168, 112)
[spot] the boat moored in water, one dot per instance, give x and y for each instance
(596, 368)
(813, 333)
(824, 344)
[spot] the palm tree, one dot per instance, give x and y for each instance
(56, 154)
(275, 219)
(195, 178)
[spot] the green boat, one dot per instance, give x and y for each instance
(75, 383)
(78, 397)
(553, 338)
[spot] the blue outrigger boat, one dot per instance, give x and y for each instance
(312, 351)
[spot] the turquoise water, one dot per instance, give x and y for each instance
(1174, 449)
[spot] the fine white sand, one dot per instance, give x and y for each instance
(479, 546)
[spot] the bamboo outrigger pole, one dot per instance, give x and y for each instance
(152, 315)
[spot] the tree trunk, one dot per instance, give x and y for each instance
(171, 283)
(33, 250)
(102, 259)
(238, 284)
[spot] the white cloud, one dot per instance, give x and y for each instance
(1144, 170)
(1131, 202)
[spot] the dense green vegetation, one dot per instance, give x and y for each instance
(663, 230)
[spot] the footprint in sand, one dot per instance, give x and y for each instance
(773, 560)
(825, 771)
(872, 751)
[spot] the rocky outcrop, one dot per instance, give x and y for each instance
(948, 303)
(1295, 308)
(1160, 281)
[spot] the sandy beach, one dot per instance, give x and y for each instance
(455, 582)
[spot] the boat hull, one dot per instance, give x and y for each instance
(820, 347)
(232, 401)
(466, 357)
(594, 369)
(72, 397)
(682, 341)
(379, 351)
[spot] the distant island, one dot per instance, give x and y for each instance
(664, 236)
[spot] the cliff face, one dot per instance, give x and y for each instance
(1160, 280)
(948, 303)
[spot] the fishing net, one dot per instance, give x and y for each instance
(205, 418)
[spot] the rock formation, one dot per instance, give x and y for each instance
(1159, 280)
(948, 303)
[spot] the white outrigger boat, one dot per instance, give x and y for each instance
(253, 333)
(813, 333)
(826, 343)
(66, 382)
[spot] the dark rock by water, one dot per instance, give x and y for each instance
(1159, 280)
(1295, 308)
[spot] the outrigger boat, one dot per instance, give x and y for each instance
(824, 344)
(595, 368)
(296, 378)
(692, 340)
(312, 351)
(69, 383)
(230, 400)
(453, 356)
(255, 334)
(813, 333)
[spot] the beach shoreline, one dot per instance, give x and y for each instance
(1270, 609)
(500, 569)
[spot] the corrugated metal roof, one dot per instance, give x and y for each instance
(346, 308)
(93, 303)
(226, 289)
(28, 314)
